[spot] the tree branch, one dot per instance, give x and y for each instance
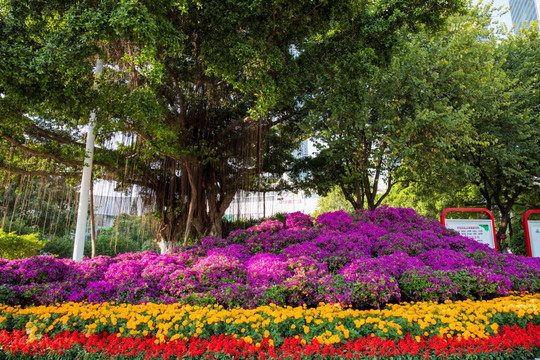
(181, 96)
(39, 173)
(29, 151)
(44, 133)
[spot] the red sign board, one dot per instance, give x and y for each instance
(481, 230)
(532, 233)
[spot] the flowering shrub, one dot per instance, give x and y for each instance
(397, 263)
(337, 220)
(393, 265)
(36, 269)
(265, 270)
(300, 263)
(91, 269)
(96, 291)
(308, 249)
(158, 271)
(267, 226)
(374, 289)
(426, 284)
(186, 258)
(238, 251)
(523, 272)
(444, 259)
(397, 219)
(214, 271)
(124, 272)
(478, 283)
(394, 242)
(301, 288)
(341, 248)
(298, 220)
(267, 241)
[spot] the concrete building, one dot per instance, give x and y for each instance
(109, 203)
(254, 205)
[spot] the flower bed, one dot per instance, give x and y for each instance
(509, 343)
(328, 324)
(386, 283)
(364, 260)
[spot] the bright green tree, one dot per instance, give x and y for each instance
(453, 119)
(333, 201)
(503, 151)
(386, 123)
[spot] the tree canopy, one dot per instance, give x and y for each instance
(206, 92)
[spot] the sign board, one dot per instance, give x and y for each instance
(534, 237)
(532, 234)
(481, 230)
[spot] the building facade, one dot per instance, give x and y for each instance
(255, 205)
(523, 12)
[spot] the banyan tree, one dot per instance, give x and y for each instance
(204, 94)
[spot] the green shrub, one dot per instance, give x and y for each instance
(517, 243)
(61, 247)
(13, 246)
(239, 224)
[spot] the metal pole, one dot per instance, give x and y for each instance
(80, 231)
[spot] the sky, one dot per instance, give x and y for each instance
(506, 18)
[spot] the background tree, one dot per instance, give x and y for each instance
(383, 123)
(504, 164)
(45, 205)
(193, 84)
(333, 201)
(128, 234)
(471, 99)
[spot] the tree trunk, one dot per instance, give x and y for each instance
(196, 197)
(501, 232)
(217, 228)
(168, 236)
(191, 205)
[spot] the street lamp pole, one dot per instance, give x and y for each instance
(82, 215)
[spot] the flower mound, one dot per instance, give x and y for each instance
(367, 259)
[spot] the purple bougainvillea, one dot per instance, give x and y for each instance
(265, 270)
(298, 220)
(444, 259)
(365, 260)
(267, 226)
(337, 220)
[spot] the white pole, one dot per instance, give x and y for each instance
(80, 231)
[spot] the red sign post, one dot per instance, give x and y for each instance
(477, 229)
(532, 231)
